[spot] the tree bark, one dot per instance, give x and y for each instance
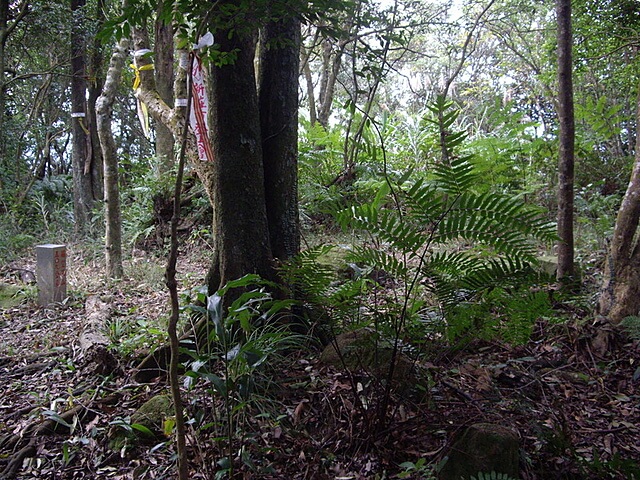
(279, 129)
(311, 96)
(172, 118)
(240, 226)
(104, 111)
(6, 28)
(620, 293)
(331, 63)
(95, 76)
(306, 52)
(83, 195)
(4, 21)
(163, 49)
(255, 163)
(566, 158)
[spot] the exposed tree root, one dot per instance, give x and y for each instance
(24, 444)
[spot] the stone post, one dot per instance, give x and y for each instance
(51, 273)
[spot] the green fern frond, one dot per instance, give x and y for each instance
(444, 113)
(306, 275)
(381, 260)
(451, 264)
(495, 234)
(496, 272)
(342, 296)
(504, 223)
(456, 177)
(424, 202)
(446, 270)
(387, 225)
(454, 274)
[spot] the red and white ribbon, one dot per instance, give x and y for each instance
(200, 111)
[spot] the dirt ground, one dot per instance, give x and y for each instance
(577, 415)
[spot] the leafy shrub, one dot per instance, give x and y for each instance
(240, 338)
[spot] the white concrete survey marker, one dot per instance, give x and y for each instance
(51, 273)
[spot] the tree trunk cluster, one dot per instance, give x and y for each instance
(253, 118)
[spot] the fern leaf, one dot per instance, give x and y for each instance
(306, 275)
(381, 260)
(385, 224)
(457, 177)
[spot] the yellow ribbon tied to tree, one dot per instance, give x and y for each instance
(137, 70)
(143, 113)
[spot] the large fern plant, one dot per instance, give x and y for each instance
(439, 236)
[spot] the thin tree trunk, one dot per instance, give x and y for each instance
(311, 96)
(620, 293)
(331, 63)
(305, 69)
(81, 155)
(4, 18)
(174, 121)
(172, 118)
(164, 84)
(94, 85)
(104, 111)
(6, 28)
(566, 161)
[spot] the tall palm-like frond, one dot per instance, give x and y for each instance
(444, 234)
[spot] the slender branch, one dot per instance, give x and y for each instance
(24, 9)
(172, 285)
(465, 52)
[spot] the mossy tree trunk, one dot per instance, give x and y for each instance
(104, 113)
(164, 82)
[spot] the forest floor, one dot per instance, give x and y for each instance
(577, 415)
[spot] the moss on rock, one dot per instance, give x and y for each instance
(482, 448)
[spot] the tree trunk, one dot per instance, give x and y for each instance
(279, 74)
(94, 86)
(83, 197)
(104, 110)
(620, 293)
(331, 63)
(311, 96)
(306, 53)
(239, 189)
(241, 244)
(172, 118)
(566, 271)
(4, 18)
(164, 83)
(6, 27)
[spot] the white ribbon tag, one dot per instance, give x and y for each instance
(205, 41)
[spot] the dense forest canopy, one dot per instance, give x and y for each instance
(383, 225)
